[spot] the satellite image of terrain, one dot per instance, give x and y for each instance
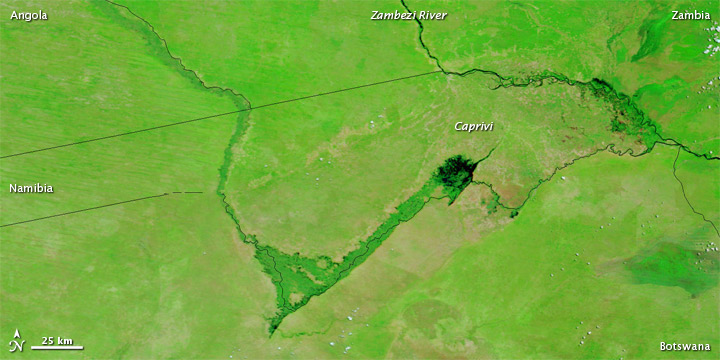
(359, 179)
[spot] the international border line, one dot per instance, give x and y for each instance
(215, 115)
(83, 210)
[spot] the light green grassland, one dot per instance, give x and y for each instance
(700, 179)
(376, 154)
(207, 275)
(462, 288)
(152, 279)
(276, 50)
(126, 81)
(669, 74)
(635, 47)
(341, 173)
(161, 279)
(526, 38)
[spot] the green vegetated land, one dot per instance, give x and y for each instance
(450, 284)
(299, 278)
(479, 231)
(348, 164)
(698, 177)
(279, 50)
(636, 48)
(149, 279)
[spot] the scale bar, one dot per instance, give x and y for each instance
(57, 347)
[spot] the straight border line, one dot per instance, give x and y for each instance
(88, 209)
(215, 115)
